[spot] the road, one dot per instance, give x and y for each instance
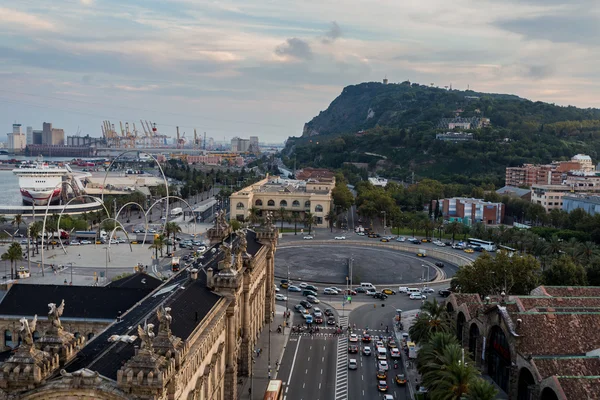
(316, 366)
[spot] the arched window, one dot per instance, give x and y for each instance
(318, 208)
(258, 202)
(295, 203)
(8, 342)
(90, 336)
(283, 203)
(239, 206)
(36, 336)
(271, 203)
(307, 204)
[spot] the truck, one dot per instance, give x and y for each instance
(175, 264)
(176, 211)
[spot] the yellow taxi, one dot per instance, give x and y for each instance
(388, 291)
(400, 379)
(469, 251)
(381, 375)
(284, 285)
(421, 255)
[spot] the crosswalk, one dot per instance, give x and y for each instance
(341, 371)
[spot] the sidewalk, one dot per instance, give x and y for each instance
(408, 366)
(261, 365)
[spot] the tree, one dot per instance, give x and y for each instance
(35, 229)
(433, 318)
(453, 381)
(235, 225)
(564, 272)
(158, 245)
(493, 274)
(172, 228)
(309, 221)
(253, 215)
(342, 196)
(480, 389)
(13, 254)
(281, 215)
(295, 219)
(331, 217)
(454, 228)
(17, 220)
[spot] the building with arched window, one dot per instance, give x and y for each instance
(202, 326)
(296, 196)
(542, 346)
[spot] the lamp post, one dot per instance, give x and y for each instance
(287, 296)
(384, 220)
(426, 266)
(71, 264)
(269, 352)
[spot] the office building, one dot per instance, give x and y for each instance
(254, 145)
(52, 136)
(548, 174)
(17, 140)
(588, 203)
(471, 211)
(29, 135)
(298, 197)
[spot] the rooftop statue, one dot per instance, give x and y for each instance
(26, 330)
(55, 313)
(146, 335)
(164, 318)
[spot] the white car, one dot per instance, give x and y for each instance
(308, 237)
(401, 239)
(85, 242)
(75, 243)
(280, 297)
(394, 352)
(382, 365)
(360, 233)
(353, 337)
(417, 296)
(329, 291)
(340, 238)
(371, 292)
(388, 397)
(303, 285)
(367, 351)
(427, 290)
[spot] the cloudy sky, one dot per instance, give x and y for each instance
(240, 68)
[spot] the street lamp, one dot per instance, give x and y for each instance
(71, 264)
(384, 220)
(422, 265)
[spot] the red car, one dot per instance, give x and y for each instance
(318, 320)
(350, 292)
(366, 338)
(353, 348)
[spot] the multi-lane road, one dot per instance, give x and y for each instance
(315, 366)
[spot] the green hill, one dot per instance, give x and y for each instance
(393, 129)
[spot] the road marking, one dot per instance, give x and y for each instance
(303, 385)
(308, 358)
(294, 360)
(341, 373)
(322, 359)
(319, 385)
(321, 371)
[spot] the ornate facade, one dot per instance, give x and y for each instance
(190, 338)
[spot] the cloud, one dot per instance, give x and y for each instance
(295, 48)
(581, 28)
(540, 71)
(334, 32)
(21, 20)
(87, 2)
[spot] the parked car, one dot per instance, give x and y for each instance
(340, 238)
(308, 237)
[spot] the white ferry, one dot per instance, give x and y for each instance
(40, 182)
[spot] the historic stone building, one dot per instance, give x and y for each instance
(543, 346)
(192, 337)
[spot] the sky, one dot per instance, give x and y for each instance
(264, 68)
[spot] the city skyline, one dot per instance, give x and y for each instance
(265, 70)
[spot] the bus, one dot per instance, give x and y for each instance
(484, 244)
(274, 390)
(509, 250)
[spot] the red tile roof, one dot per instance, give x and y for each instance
(580, 388)
(572, 291)
(572, 366)
(470, 300)
(533, 303)
(314, 173)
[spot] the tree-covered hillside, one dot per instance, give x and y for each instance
(400, 136)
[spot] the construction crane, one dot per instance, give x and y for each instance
(180, 140)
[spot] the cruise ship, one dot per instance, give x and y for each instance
(40, 182)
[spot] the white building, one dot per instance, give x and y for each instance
(382, 182)
(16, 139)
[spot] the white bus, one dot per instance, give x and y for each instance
(484, 244)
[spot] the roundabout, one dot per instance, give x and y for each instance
(330, 263)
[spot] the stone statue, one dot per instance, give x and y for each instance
(26, 331)
(269, 221)
(164, 318)
(227, 256)
(243, 244)
(146, 335)
(54, 315)
(221, 219)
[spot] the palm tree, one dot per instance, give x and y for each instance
(253, 216)
(454, 228)
(429, 351)
(296, 219)
(453, 381)
(480, 389)
(587, 251)
(17, 220)
(35, 230)
(309, 220)
(3, 219)
(13, 254)
(158, 244)
(281, 215)
(330, 217)
(171, 228)
(433, 318)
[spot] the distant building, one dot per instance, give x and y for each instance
(548, 174)
(17, 140)
(470, 211)
(377, 181)
(513, 191)
(48, 150)
(52, 136)
(36, 136)
(463, 123)
(254, 145)
(588, 203)
(549, 196)
(454, 136)
(239, 145)
(295, 196)
(86, 140)
(29, 135)
(314, 173)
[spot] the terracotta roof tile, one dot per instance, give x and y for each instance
(532, 303)
(577, 388)
(472, 302)
(567, 366)
(557, 333)
(573, 291)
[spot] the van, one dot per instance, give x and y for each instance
(402, 289)
(368, 285)
(381, 353)
(352, 364)
(412, 290)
